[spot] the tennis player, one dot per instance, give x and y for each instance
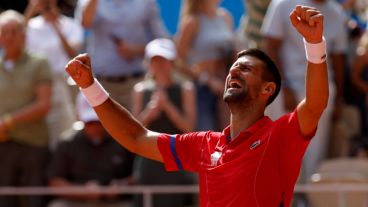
(252, 162)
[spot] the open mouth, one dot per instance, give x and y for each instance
(234, 84)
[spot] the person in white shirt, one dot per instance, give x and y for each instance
(58, 38)
(286, 47)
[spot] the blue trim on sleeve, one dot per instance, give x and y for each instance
(174, 153)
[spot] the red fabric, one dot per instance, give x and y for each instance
(257, 168)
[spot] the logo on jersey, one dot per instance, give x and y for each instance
(215, 157)
(255, 144)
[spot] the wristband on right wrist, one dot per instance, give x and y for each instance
(95, 94)
(315, 53)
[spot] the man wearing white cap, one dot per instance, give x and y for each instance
(72, 165)
(163, 104)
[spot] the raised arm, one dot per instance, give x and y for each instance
(89, 13)
(116, 119)
(309, 23)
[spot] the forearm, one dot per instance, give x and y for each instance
(216, 85)
(69, 50)
(29, 13)
(31, 112)
(356, 74)
(138, 50)
(120, 124)
(59, 182)
(144, 117)
(316, 88)
(89, 13)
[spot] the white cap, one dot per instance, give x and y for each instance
(161, 47)
(84, 110)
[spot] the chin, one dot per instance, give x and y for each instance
(230, 97)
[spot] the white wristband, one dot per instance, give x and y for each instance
(315, 53)
(95, 94)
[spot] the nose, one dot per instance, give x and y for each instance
(234, 71)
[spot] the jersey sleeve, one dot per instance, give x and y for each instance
(291, 136)
(293, 145)
(181, 152)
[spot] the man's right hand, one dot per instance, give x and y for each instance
(79, 68)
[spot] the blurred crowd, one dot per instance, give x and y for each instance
(49, 136)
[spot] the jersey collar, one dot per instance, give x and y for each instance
(265, 120)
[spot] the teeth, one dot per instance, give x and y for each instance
(234, 84)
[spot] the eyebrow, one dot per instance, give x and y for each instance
(245, 63)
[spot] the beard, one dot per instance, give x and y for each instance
(231, 96)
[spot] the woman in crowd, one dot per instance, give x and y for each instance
(205, 47)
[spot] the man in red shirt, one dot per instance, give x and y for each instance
(254, 161)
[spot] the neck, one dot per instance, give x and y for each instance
(163, 80)
(243, 117)
(51, 15)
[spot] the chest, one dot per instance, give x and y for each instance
(244, 173)
(122, 13)
(21, 79)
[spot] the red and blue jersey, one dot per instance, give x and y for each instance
(259, 167)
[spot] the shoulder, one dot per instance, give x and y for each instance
(187, 86)
(35, 58)
(226, 15)
(35, 22)
(70, 141)
(222, 12)
(142, 86)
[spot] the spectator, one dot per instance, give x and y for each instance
(58, 38)
(119, 31)
(286, 47)
(25, 88)
(250, 29)
(205, 49)
(164, 105)
(72, 164)
(360, 80)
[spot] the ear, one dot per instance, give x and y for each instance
(269, 88)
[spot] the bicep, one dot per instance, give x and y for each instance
(307, 120)
(147, 146)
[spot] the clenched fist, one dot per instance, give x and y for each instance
(79, 68)
(309, 23)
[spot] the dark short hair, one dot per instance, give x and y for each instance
(271, 72)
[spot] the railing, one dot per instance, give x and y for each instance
(148, 191)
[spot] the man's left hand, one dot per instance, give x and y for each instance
(308, 21)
